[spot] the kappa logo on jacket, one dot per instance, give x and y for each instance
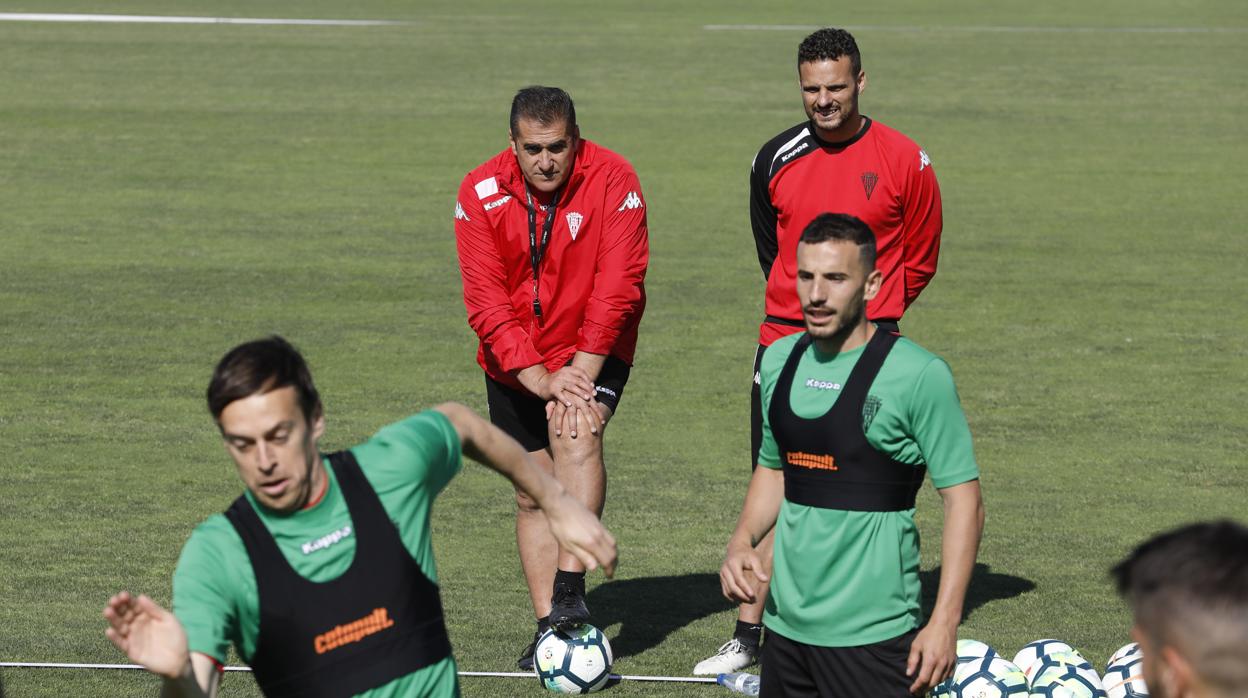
(497, 202)
(574, 222)
(459, 213)
(924, 160)
(631, 201)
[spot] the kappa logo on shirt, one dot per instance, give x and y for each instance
(631, 201)
(574, 222)
(924, 160)
(822, 385)
(459, 213)
(497, 202)
(326, 540)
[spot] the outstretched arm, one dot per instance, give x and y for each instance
(152, 636)
(934, 650)
(576, 528)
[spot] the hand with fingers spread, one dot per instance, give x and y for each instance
(580, 417)
(933, 656)
(149, 634)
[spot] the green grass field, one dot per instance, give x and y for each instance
(168, 191)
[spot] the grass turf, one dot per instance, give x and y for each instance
(169, 191)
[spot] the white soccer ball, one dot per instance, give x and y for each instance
(1127, 650)
(1066, 675)
(991, 676)
(1125, 678)
(974, 649)
(1028, 657)
(970, 652)
(573, 661)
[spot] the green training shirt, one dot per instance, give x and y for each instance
(214, 587)
(851, 578)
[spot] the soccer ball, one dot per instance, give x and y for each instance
(1062, 679)
(1125, 678)
(573, 661)
(1028, 658)
(1122, 653)
(974, 649)
(976, 659)
(988, 677)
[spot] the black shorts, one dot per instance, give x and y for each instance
(796, 670)
(522, 416)
(756, 396)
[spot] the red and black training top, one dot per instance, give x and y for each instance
(880, 176)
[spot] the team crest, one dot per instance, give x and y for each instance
(868, 183)
(574, 223)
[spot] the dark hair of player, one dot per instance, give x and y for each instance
(258, 367)
(1188, 588)
(842, 226)
(829, 44)
(545, 105)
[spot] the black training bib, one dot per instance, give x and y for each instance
(376, 622)
(828, 462)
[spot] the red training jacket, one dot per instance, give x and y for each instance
(880, 176)
(591, 276)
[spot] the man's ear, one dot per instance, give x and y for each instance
(1176, 674)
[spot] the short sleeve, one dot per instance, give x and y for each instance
(768, 372)
(424, 448)
(204, 583)
(940, 429)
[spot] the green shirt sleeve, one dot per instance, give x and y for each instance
(204, 586)
(769, 371)
(423, 448)
(940, 428)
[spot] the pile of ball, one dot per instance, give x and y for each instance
(1042, 669)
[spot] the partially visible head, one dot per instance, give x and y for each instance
(544, 135)
(836, 274)
(270, 416)
(1188, 591)
(829, 72)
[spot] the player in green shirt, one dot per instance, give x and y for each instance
(322, 574)
(853, 417)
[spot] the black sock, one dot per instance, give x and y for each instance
(574, 579)
(749, 634)
(543, 624)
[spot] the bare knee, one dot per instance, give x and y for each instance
(526, 504)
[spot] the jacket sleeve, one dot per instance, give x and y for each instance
(763, 215)
(485, 292)
(922, 221)
(618, 296)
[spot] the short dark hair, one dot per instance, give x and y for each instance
(1188, 588)
(842, 226)
(545, 105)
(258, 367)
(829, 44)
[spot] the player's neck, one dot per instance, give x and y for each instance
(848, 339)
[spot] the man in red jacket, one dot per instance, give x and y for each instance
(553, 249)
(836, 161)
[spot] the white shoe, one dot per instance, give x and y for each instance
(732, 656)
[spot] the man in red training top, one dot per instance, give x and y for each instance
(553, 250)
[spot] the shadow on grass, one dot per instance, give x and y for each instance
(986, 586)
(651, 608)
